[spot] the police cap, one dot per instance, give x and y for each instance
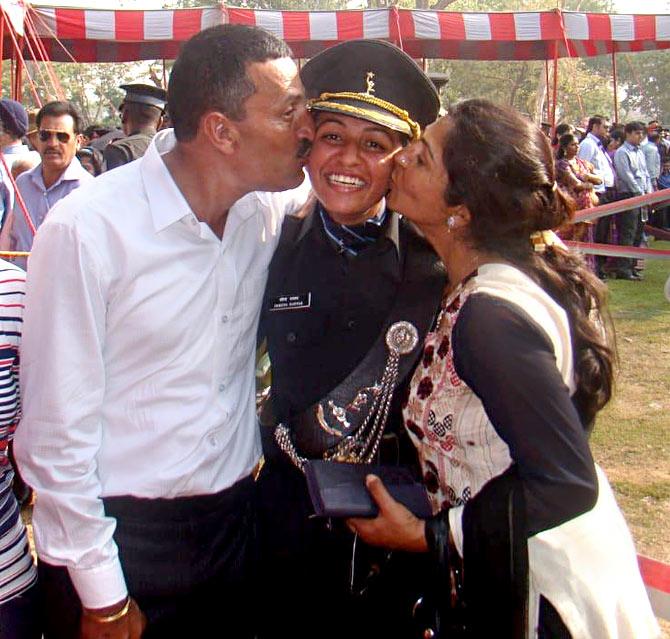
(372, 80)
(145, 94)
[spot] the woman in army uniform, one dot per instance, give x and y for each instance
(345, 266)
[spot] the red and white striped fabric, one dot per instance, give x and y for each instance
(656, 577)
(15, 11)
(96, 35)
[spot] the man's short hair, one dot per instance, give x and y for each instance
(57, 109)
(633, 126)
(617, 134)
(210, 74)
(595, 120)
(142, 115)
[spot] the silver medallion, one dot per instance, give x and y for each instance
(402, 337)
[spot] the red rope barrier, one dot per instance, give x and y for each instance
(588, 215)
(612, 250)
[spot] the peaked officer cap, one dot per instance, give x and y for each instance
(145, 94)
(372, 80)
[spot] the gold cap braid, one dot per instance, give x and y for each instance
(325, 100)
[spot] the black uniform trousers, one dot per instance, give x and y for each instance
(188, 562)
(308, 589)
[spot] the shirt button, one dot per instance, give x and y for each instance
(351, 324)
(222, 387)
(213, 441)
(291, 337)
(224, 319)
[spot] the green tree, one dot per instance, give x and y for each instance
(646, 80)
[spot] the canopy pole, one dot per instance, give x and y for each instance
(554, 98)
(2, 46)
(17, 89)
(546, 85)
(614, 81)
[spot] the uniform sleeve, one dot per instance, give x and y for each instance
(508, 362)
(62, 386)
(115, 156)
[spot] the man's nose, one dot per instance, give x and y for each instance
(305, 124)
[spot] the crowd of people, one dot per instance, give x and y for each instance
(55, 155)
(418, 310)
(606, 163)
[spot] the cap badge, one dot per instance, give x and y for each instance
(369, 79)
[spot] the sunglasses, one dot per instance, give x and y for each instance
(46, 134)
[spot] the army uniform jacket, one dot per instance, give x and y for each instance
(127, 149)
(323, 308)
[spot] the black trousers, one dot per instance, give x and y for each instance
(603, 227)
(188, 562)
(305, 584)
(20, 618)
(629, 225)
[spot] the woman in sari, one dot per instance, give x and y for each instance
(577, 177)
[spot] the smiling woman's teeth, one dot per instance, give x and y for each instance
(345, 179)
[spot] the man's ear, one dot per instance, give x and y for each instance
(221, 131)
(79, 138)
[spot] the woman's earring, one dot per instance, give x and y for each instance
(450, 223)
(403, 161)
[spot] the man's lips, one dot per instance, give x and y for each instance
(304, 148)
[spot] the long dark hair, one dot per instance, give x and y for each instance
(502, 169)
(563, 143)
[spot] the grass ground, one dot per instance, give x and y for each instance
(631, 440)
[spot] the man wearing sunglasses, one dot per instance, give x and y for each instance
(59, 173)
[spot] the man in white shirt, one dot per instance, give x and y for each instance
(592, 149)
(139, 432)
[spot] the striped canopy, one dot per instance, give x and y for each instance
(93, 35)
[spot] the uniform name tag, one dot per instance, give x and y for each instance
(290, 302)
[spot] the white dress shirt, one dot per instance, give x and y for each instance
(138, 357)
(591, 150)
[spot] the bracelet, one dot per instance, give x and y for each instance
(113, 617)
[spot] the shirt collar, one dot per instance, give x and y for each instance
(74, 172)
(166, 201)
(630, 147)
(391, 226)
(596, 139)
(15, 149)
